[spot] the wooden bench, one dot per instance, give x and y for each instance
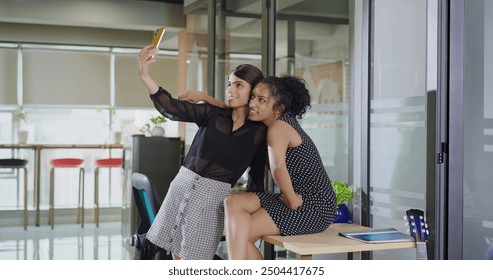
(329, 242)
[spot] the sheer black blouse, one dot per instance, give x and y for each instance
(217, 152)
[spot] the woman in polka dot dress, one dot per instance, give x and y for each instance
(306, 202)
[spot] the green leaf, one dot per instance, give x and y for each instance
(342, 191)
(158, 120)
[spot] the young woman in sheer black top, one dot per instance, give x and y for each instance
(191, 219)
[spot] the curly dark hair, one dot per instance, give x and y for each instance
(291, 92)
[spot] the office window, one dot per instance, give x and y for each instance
(130, 92)
(8, 76)
(63, 77)
(67, 126)
(6, 130)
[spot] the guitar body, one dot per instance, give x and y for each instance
(419, 231)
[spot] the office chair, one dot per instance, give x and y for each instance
(146, 200)
(148, 204)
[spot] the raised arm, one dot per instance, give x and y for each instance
(198, 96)
(147, 57)
(168, 106)
(278, 139)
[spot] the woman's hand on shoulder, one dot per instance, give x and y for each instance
(192, 96)
(199, 96)
(295, 204)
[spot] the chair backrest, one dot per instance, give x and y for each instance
(148, 204)
(146, 200)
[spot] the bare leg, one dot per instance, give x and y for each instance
(246, 221)
(237, 208)
(262, 224)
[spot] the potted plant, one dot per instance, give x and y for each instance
(20, 114)
(344, 194)
(157, 129)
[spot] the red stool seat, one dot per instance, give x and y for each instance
(109, 162)
(66, 162)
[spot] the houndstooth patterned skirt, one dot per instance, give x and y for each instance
(190, 222)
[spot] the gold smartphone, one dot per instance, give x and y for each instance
(158, 36)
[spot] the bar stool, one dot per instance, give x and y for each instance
(67, 163)
(102, 163)
(15, 163)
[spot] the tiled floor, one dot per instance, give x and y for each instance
(71, 242)
(65, 242)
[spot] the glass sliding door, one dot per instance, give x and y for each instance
(398, 114)
(312, 42)
(473, 226)
(235, 40)
(238, 39)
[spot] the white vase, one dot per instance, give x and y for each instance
(157, 131)
(22, 136)
(117, 137)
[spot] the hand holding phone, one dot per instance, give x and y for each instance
(158, 36)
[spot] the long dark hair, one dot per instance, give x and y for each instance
(291, 92)
(249, 73)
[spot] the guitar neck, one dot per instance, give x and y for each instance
(421, 251)
(419, 231)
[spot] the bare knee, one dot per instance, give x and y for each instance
(232, 203)
(244, 202)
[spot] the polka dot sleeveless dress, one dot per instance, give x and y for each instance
(309, 179)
